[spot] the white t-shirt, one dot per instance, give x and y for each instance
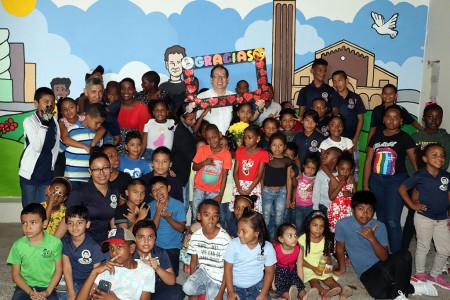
(273, 109)
(344, 144)
(210, 253)
(128, 284)
(219, 116)
(159, 134)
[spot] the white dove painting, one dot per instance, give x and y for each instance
(382, 27)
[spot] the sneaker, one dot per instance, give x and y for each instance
(400, 296)
(293, 292)
(423, 288)
(421, 276)
(312, 294)
(328, 294)
(439, 281)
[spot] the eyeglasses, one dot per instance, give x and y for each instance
(217, 76)
(106, 169)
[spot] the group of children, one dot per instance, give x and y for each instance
(277, 218)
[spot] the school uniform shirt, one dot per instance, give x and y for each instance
(308, 144)
(121, 182)
(101, 208)
(349, 109)
(168, 237)
(37, 263)
(322, 126)
(176, 189)
(122, 211)
(390, 152)
(183, 152)
(135, 168)
(359, 249)
(433, 192)
(163, 258)
(311, 92)
(82, 258)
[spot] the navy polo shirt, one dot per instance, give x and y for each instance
(322, 126)
(349, 109)
(308, 144)
(310, 92)
(433, 192)
(101, 208)
(122, 210)
(378, 114)
(161, 254)
(82, 258)
(176, 190)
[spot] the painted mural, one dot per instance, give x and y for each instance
(55, 43)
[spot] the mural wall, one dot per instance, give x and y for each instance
(55, 43)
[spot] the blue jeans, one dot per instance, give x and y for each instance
(273, 202)
(186, 191)
(167, 292)
(389, 205)
(32, 193)
(225, 215)
(250, 293)
(199, 196)
(289, 215)
(199, 283)
(301, 212)
(65, 294)
(20, 294)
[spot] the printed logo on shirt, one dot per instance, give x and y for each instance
(314, 145)
(384, 161)
(247, 165)
(351, 103)
(113, 199)
(324, 131)
(46, 253)
(136, 173)
(211, 173)
(85, 257)
(260, 257)
(325, 96)
(444, 186)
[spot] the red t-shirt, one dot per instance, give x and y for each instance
(248, 165)
(134, 118)
(209, 177)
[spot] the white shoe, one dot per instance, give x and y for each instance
(400, 296)
(424, 288)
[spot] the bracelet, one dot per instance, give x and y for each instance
(260, 111)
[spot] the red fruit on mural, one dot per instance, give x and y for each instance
(10, 120)
(2, 125)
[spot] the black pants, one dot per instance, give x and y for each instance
(385, 278)
(408, 230)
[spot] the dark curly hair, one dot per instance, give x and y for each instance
(328, 235)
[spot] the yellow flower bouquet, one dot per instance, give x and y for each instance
(237, 130)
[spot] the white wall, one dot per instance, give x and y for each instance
(437, 46)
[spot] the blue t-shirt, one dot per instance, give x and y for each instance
(168, 237)
(248, 265)
(82, 258)
(359, 249)
(136, 168)
(349, 109)
(308, 144)
(433, 192)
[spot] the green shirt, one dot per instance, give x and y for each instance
(37, 263)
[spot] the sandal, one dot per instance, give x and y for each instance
(312, 294)
(328, 294)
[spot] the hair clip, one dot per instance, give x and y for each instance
(190, 108)
(430, 103)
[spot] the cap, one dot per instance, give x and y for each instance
(118, 236)
(98, 69)
(65, 181)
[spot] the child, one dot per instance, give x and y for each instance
(385, 170)
(207, 247)
(166, 287)
(304, 191)
(150, 90)
(225, 212)
(269, 127)
(112, 93)
(57, 192)
(276, 196)
(249, 260)
(35, 258)
(161, 167)
(365, 241)
(320, 197)
(134, 209)
(289, 267)
(159, 130)
(242, 87)
(244, 113)
(77, 159)
(291, 152)
(287, 121)
(129, 278)
(132, 162)
(81, 254)
(309, 139)
(41, 135)
(119, 180)
(316, 244)
(341, 190)
(431, 218)
(389, 97)
(335, 128)
(241, 204)
(249, 167)
(271, 109)
(316, 89)
(212, 163)
(169, 217)
(320, 105)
